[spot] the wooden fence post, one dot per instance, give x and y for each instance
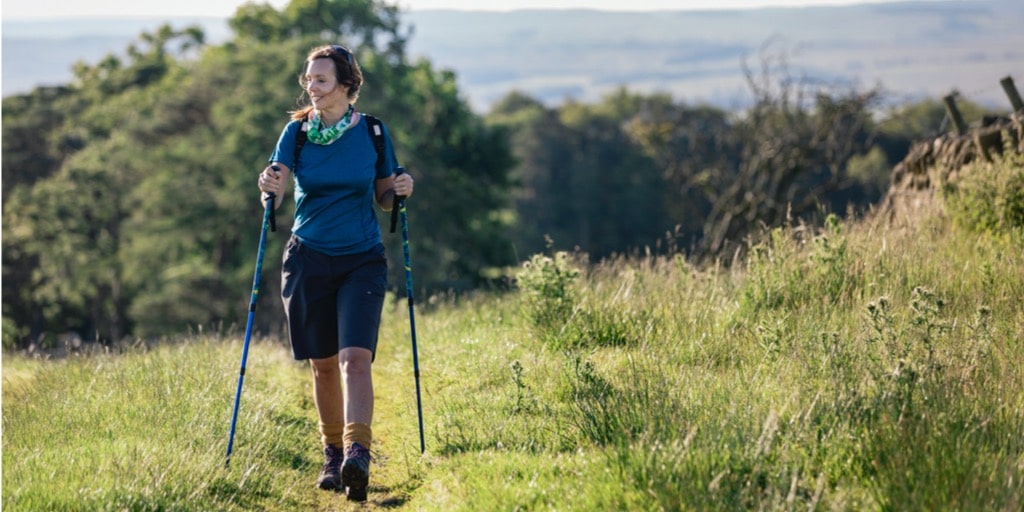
(1011, 92)
(954, 114)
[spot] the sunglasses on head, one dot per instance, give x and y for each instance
(341, 50)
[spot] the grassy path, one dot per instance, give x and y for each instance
(147, 430)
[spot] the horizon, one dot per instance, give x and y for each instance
(40, 10)
(704, 67)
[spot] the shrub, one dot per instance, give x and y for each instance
(799, 266)
(989, 196)
(547, 284)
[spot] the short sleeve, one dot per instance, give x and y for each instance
(284, 152)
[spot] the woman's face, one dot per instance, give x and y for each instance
(323, 88)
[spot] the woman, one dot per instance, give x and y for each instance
(335, 271)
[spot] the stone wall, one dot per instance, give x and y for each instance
(931, 164)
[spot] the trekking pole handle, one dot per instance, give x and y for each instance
(394, 207)
(271, 198)
(398, 172)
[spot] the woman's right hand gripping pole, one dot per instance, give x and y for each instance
(274, 180)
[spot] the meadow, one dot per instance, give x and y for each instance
(862, 365)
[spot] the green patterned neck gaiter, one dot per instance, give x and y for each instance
(318, 134)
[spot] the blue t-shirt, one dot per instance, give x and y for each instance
(334, 188)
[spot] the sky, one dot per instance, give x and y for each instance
(38, 9)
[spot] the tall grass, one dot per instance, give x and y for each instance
(853, 367)
(147, 431)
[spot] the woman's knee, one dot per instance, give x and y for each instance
(355, 360)
(325, 367)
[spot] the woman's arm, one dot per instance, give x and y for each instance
(385, 189)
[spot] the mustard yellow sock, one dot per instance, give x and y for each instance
(358, 433)
(332, 433)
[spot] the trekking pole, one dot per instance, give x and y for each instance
(400, 209)
(268, 221)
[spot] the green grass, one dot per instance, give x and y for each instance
(858, 367)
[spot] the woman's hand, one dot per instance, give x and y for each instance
(274, 180)
(403, 185)
(270, 181)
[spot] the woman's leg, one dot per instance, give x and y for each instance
(360, 301)
(358, 389)
(357, 383)
(327, 392)
(328, 397)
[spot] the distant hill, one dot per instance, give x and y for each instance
(43, 52)
(913, 49)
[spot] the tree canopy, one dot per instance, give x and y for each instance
(130, 206)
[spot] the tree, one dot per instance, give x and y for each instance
(70, 224)
(784, 157)
(155, 157)
(538, 140)
(362, 23)
(795, 141)
(64, 222)
(582, 182)
(460, 210)
(690, 144)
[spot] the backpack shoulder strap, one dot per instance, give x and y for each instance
(377, 134)
(300, 140)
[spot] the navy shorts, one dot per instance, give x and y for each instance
(332, 302)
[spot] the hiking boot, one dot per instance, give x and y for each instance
(355, 472)
(330, 475)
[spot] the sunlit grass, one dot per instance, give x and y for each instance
(855, 367)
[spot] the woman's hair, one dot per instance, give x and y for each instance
(346, 70)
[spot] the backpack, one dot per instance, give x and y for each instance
(376, 133)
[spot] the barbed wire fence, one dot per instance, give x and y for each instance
(979, 96)
(953, 112)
